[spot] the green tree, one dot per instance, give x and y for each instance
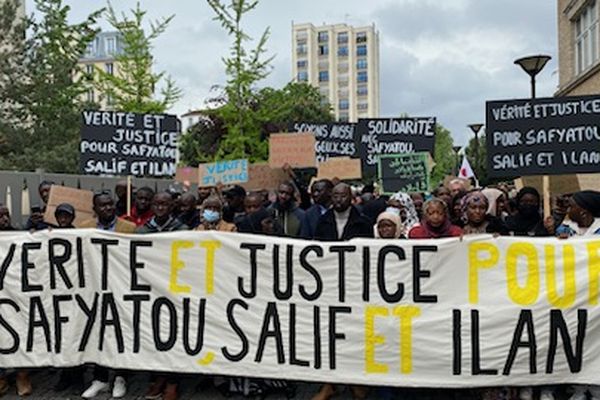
(444, 156)
(244, 69)
(477, 154)
(131, 88)
(41, 87)
(273, 109)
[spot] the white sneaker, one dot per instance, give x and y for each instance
(546, 395)
(95, 389)
(119, 387)
(526, 393)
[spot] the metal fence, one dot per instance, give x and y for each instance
(19, 190)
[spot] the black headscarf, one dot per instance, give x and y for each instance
(589, 200)
(528, 220)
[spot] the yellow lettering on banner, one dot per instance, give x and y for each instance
(372, 340)
(476, 263)
(529, 293)
(593, 270)
(177, 265)
(406, 314)
(207, 359)
(210, 246)
(568, 298)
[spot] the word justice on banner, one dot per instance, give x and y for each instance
(117, 143)
(483, 311)
(543, 136)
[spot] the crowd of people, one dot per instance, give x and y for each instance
(326, 211)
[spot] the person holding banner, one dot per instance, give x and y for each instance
(36, 219)
(320, 192)
(527, 221)
(211, 218)
(402, 204)
(188, 211)
(475, 216)
(287, 212)
(5, 223)
(435, 223)
(141, 212)
(388, 226)
(163, 220)
(106, 216)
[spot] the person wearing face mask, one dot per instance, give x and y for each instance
(528, 220)
(211, 216)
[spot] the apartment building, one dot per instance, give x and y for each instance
(578, 47)
(343, 62)
(101, 54)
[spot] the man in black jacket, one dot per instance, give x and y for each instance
(321, 195)
(343, 221)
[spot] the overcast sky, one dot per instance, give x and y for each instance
(441, 58)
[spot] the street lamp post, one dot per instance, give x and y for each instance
(533, 65)
(457, 162)
(475, 128)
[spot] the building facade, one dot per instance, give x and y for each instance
(578, 47)
(343, 62)
(101, 54)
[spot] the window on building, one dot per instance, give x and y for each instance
(323, 76)
(109, 68)
(343, 51)
(363, 105)
(302, 64)
(323, 37)
(361, 37)
(342, 37)
(90, 95)
(361, 63)
(89, 69)
(302, 35)
(302, 76)
(111, 46)
(91, 48)
(361, 50)
(323, 50)
(362, 90)
(301, 49)
(344, 104)
(344, 117)
(362, 76)
(586, 37)
(110, 100)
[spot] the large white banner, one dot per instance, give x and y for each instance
(448, 313)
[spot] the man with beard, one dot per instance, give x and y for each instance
(286, 211)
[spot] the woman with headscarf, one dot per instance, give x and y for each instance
(475, 216)
(402, 205)
(388, 226)
(527, 221)
(436, 222)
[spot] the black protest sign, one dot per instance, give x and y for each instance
(546, 136)
(376, 137)
(404, 172)
(118, 143)
(333, 139)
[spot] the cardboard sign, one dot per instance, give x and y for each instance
(404, 173)
(297, 150)
(225, 172)
(81, 200)
(261, 176)
(334, 139)
(549, 136)
(341, 168)
(561, 184)
(376, 137)
(186, 175)
(118, 143)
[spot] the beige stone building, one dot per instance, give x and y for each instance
(578, 47)
(101, 54)
(343, 62)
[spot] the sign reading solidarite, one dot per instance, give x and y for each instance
(332, 139)
(404, 172)
(376, 137)
(117, 143)
(480, 311)
(543, 136)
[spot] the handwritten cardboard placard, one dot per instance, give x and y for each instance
(225, 172)
(261, 176)
(186, 175)
(341, 168)
(404, 172)
(81, 200)
(295, 149)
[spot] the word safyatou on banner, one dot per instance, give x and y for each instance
(444, 313)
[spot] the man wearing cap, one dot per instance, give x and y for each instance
(234, 207)
(65, 215)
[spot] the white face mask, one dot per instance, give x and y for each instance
(393, 210)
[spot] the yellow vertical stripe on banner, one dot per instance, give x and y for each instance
(211, 246)
(177, 265)
(476, 263)
(528, 294)
(593, 270)
(372, 340)
(568, 298)
(406, 315)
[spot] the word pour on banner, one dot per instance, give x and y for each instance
(117, 143)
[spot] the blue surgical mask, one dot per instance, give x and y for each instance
(211, 215)
(393, 210)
